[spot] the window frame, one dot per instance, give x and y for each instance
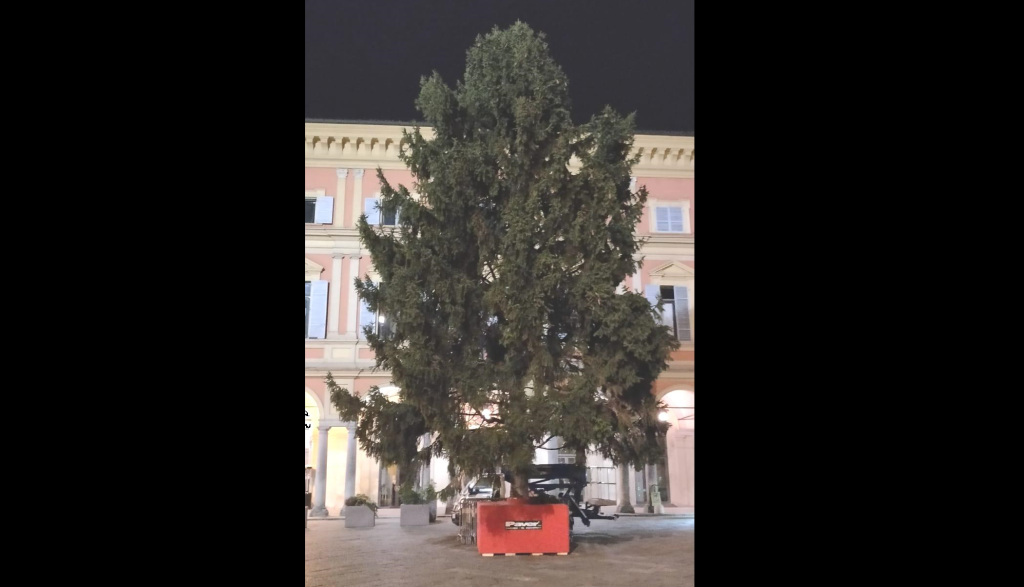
(683, 205)
(313, 195)
(675, 274)
(381, 214)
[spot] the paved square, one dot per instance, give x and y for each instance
(625, 552)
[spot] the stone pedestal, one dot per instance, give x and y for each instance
(418, 515)
(359, 516)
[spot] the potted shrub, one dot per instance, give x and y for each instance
(360, 512)
(419, 508)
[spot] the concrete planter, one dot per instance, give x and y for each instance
(418, 515)
(359, 516)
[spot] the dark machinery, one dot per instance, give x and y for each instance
(567, 482)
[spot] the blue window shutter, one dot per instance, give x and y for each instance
(682, 313)
(371, 211)
(653, 292)
(675, 219)
(661, 217)
(317, 310)
(324, 213)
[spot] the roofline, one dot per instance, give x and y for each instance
(669, 133)
(367, 145)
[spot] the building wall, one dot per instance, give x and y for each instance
(341, 162)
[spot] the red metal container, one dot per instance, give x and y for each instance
(513, 527)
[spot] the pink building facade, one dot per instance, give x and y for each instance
(341, 183)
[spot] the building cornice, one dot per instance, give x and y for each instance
(368, 146)
(328, 240)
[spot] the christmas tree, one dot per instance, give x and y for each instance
(500, 285)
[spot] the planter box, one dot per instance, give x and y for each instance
(418, 515)
(511, 527)
(359, 516)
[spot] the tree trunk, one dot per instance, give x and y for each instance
(521, 484)
(625, 507)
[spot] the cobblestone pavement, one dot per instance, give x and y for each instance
(624, 552)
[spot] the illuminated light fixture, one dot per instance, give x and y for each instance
(381, 319)
(663, 416)
(487, 414)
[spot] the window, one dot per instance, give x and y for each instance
(319, 208)
(668, 309)
(601, 483)
(675, 309)
(310, 209)
(377, 322)
(668, 219)
(316, 309)
(566, 456)
(641, 486)
(374, 216)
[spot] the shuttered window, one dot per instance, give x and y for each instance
(316, 309)
(381, 326)
(675, 309)
(374, 216)
(319, 210)
(668, 219)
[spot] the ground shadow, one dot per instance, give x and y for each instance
(597, 538)
(451, 541)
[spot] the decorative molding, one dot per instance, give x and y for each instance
(359, 173)
(370, 146)
(330, 240)
(672, 273)
(342, 173)
(313, 270)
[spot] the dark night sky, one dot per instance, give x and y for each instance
(364, 59)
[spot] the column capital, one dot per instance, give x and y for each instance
(342, 173)
(358, 173)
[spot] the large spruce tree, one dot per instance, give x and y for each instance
(499, 283)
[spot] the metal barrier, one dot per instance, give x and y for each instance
(467, 522)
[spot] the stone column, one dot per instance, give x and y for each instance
(357, 195)
(334, 300)
(339, 202)
(625, 506)
(350, 462)
(353, 299)
(320, 485)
